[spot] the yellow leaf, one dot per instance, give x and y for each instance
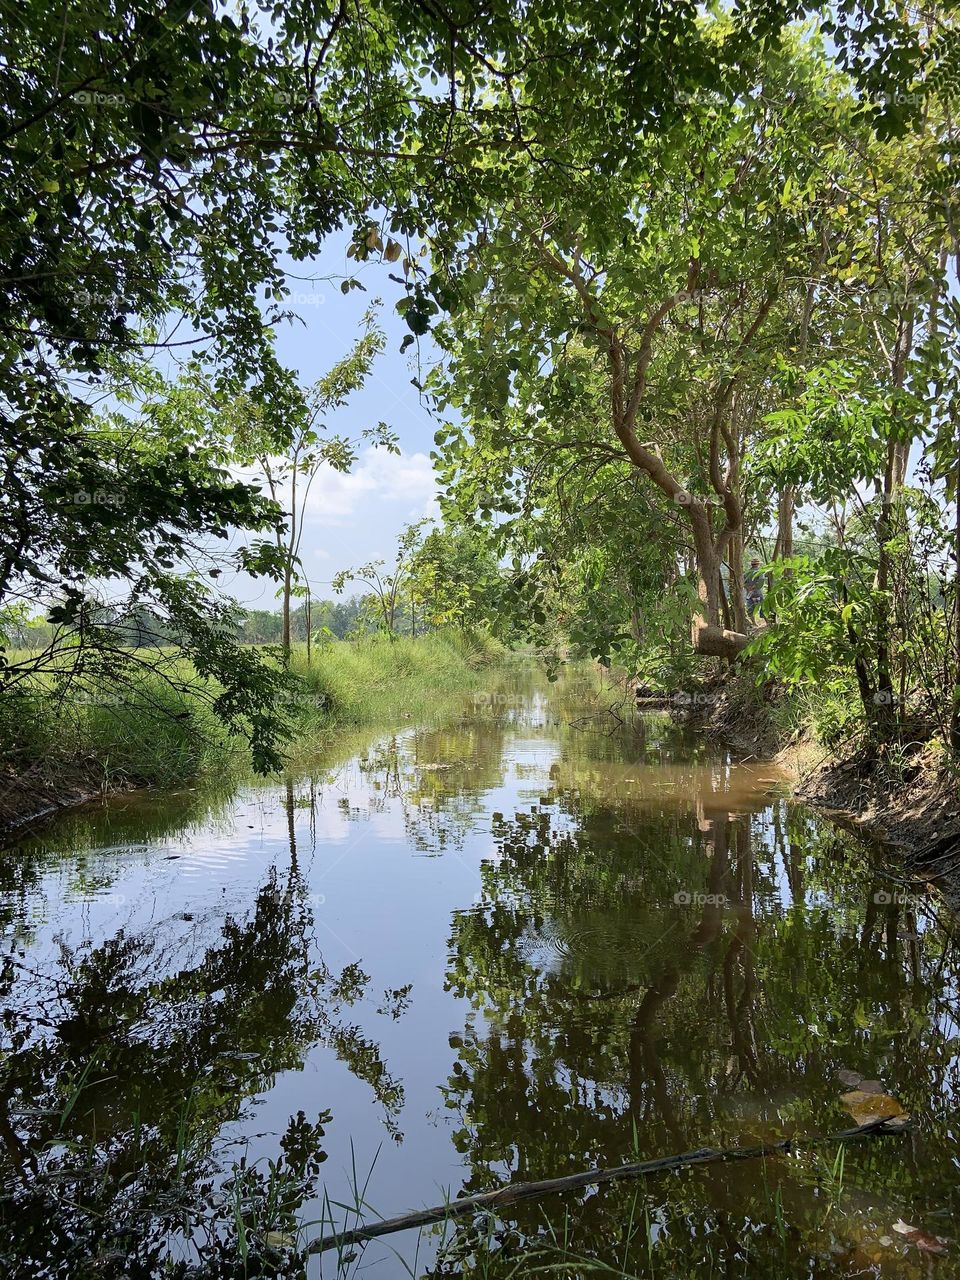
(866, 1107)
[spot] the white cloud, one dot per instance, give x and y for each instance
(354, 517)
(378, 476)
(336, 497)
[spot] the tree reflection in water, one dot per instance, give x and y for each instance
(124, 1063)
(661, 954)
(643, 980)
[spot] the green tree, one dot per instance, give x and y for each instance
(684, 274)
(454, 578)
(386, 584)
(285, 438)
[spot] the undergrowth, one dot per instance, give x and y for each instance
(157, 723)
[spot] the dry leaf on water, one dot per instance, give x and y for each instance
(866, 1107)
(924, 1241)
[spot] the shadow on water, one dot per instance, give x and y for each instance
(512, 946)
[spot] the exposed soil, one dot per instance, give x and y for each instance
(916, 810)
(913, 808)
(30, 798)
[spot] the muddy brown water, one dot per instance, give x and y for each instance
(516, 944)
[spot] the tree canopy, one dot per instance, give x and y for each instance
(677, 221)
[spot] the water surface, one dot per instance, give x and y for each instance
(512, 946)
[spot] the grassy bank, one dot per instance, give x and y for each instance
(379, 680)
(62, 739)
(153, 727)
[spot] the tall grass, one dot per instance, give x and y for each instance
(159, 734)
(378, 679)
(159, 727)
(153, 729)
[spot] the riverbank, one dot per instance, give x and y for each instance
(908, 800)
(64, 743)
(60, 751)
(44, 791)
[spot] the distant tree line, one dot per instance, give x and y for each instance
(143, 629)
(340, 618)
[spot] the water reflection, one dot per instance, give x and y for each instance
(662, 959)
(511, 946)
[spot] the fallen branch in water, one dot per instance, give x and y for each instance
(513, 1192)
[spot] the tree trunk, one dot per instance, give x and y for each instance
(738, 589)
(718, 642)
(708, 634)
(785, 523)
(309, 624)
(627, 386)
(636, 627)
(725, 613)
(288, 567)
(882, 711)
(885, 713)
(287, 587)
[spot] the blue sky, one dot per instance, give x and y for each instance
(354, 518)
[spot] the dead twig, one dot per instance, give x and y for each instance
(511, 1194)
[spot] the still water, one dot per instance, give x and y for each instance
(517, 944)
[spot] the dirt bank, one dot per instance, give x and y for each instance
(30, 798)
(912, 806)
(915, 808)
